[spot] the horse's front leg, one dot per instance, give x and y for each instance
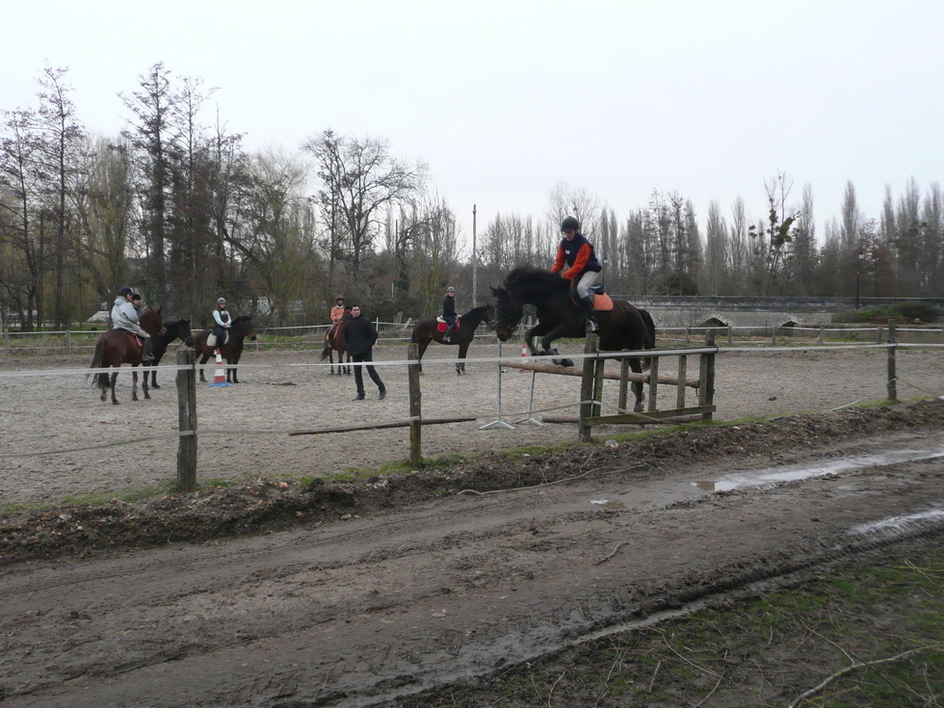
(549, 338)
(460, 366)
(538, 330)
(144, 384)
(112, 379)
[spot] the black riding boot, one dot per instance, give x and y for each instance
(590, 313)
(146, 354)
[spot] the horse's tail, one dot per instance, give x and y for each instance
(326, 350)
(97, 359)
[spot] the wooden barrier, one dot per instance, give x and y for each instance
(593, 374)
(630, 376)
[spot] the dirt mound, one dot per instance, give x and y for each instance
(271, 504)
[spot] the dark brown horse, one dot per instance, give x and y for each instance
(432, 330)
(621, 327)
(231, 350)
(174, 330)
(116, 347)
(335, 341)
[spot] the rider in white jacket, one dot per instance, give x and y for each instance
(124, 316)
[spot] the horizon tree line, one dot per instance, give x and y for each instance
(177, 206)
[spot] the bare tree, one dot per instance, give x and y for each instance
(568, 201)
(772, 240)
(58, 137)
(360, 180)
(151, 135)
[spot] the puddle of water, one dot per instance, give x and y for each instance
(894, 525)
(772, 476)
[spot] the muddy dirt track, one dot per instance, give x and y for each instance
(364, 592)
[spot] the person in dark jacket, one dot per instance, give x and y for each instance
(449, 312)
(583, 268)
(361, 335)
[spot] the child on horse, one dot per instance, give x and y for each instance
(449, 312)
(583, 268)
(221, 322)
(337, 317)
(125, 316)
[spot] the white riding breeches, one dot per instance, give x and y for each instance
(587, 280)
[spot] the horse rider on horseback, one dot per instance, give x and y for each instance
(125, 316)
(449, 312)
(337, 317)
(221, 322)
(583, 268)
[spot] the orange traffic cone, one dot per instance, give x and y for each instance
(220, 378)
(524, 354)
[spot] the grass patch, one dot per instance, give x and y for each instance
(869, 635)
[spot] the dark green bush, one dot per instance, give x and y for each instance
(915, 311)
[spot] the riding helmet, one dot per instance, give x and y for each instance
(125, 291)
(570, 224)
(221, 301)
(450, 289)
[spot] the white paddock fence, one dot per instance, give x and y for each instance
(289, 338)
(228, 430)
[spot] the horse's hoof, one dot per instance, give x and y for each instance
(639, 408)
(563, 362)
(154, 386)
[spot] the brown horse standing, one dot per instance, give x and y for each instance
(335, 341)
(116, 347)
(431, 330)
(240, 329)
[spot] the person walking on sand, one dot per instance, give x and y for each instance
(360, 335)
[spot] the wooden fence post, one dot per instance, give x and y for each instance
(892, 375)
(187, 420)
(706, 376)
(587, 387)
(416, 409)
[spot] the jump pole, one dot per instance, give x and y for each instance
(498, 422)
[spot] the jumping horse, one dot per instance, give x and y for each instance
(232, 349)
(335, 341)
(116, 347)
(159, 343)
(622, 326)
(433, 330)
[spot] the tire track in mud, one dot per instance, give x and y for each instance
(363, 611)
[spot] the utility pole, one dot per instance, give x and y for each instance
(475, 281)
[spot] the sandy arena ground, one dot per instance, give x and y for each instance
(245, 427)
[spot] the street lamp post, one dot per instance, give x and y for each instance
(859, 258)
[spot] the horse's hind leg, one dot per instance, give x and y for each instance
(144, 386)
(636, 366)
(103, 386)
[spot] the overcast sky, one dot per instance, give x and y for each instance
(504, 100)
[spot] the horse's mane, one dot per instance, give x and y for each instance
(526, 274)
(242, 318)
(476, 310)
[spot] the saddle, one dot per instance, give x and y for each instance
(442, 325)
(211, 340)
(601, 301)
